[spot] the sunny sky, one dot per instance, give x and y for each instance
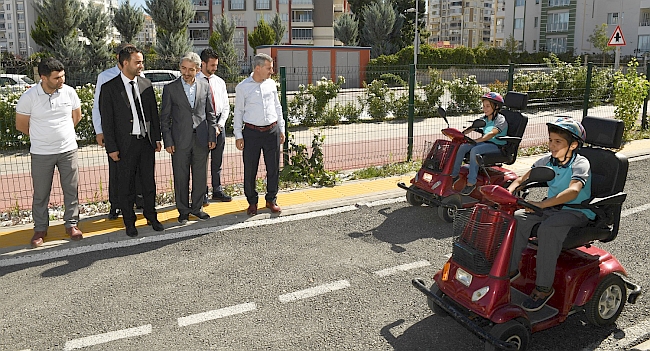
(134, 2)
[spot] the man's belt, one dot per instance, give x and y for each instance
(260, 129)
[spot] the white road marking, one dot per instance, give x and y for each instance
(317, 290)
(216, 314)
(631, 336)
(631, 211)
(402, 268)
(107, 337)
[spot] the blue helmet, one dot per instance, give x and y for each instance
(572, 126)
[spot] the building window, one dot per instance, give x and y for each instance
(237, 5)
(20, 6)
(199, 34)
(216, 2)
(556, 45)
(520, 2)
(284, 17)
(8, 7)
(8, 17)
(644, 43)
(200, 17)
(534, 45)
(266, 16)
(262, 4)
(302, 2)
(302, 33)
(20, 16)
(283, 2)
(301, 16)
(21, 26)
(555, 3)
(200, 2)
(612, 18)
(238, 37)
(558, 22)
(519, 23)
(536, 21)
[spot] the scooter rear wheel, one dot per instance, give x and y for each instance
(513, 332)
(446, 213)
(413, 199)
(608, 301)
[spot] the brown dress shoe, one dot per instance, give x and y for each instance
(273, 207)
(37, 239)
(252, 210)
(74, 232)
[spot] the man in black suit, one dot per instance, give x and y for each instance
(188, 127)
(127, 104)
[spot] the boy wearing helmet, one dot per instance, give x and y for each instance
(495, 126)
(571, 185)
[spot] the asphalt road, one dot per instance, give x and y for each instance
(340, 282)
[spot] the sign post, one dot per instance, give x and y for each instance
(617, 39)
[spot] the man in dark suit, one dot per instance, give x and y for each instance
(127, 104)
(188, 127)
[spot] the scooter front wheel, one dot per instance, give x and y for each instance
(412, 199)
(512, 332)
(437, 310)
(448, 209)
(607, 303)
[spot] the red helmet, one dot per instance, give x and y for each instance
(494, 97)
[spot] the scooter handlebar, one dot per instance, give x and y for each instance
(538, 210)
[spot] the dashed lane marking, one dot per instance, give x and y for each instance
(107, 337)
(315, 291)
(402, 268)
(631, 211)
(623, 340)
(216, 314)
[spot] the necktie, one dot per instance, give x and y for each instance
(138, 108)
(211, 94)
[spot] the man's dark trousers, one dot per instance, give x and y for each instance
(216, 160)
(269, 143)
(140, 156)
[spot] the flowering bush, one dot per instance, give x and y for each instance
(630, 89)
(309, 105)
(465, 95)
(378, 99)
(9, 136)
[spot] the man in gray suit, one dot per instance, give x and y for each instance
(188, 127)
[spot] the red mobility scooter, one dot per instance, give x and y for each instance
(474, 287)
(433, 184)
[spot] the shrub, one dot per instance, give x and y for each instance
(309, 105)
(630, 89)
(433, 92)
(378, 98)
(305, 168)
(465, 95)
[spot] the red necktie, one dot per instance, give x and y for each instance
(214, 107)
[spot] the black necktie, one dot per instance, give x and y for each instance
(138, 108)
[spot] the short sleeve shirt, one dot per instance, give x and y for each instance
(499, 122)
(51, 129)
(577, 169)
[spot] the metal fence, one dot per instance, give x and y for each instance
(374, 118)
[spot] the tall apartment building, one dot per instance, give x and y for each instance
(18, 16)
(147, 35)
(466, 23)
(308, 22)
(565, 25)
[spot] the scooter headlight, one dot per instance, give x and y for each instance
(427, 177)
(478, 294)
(463, 277)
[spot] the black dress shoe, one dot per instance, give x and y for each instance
(131, 231)
(182, 219)
(156, 225)
(114, 213)
(220, 196)
(201, 215)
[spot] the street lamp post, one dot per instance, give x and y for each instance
(416, 40)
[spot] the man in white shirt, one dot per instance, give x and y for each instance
(259, 126)
(48, 112)
(221, 107)
(102, 78)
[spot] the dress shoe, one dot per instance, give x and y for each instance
(37, 239)
(252, 210)
(131, 230)
(114, 213)
(201, 215)
(271, 205)
(74, 232)
(220, 196)
(182, 219)
(156, 225)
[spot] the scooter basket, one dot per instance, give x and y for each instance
(438, 155)
(480, 232)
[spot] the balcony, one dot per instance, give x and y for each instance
(302, 4)
(557, 27)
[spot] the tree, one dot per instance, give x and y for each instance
(172, 18)
(346, 29)
(406, 33)
(599, 39)
(95, 28)
(222, 41)
(262, 35)
(279, 28)
(377, 30)
(356, 8)
(56, 19)
(129, 21)
(511, 45)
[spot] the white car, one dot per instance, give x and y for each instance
(16, 81)
(161, 77)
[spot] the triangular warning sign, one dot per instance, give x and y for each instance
(617, 38)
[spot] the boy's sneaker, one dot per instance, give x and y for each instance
(468, 189)
(537, 300)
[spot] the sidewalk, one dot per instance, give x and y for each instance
(14, 241)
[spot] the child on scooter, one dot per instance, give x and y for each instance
(496, 126)
(571, 185)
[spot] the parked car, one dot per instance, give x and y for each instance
(160, 77)
(14, 81)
